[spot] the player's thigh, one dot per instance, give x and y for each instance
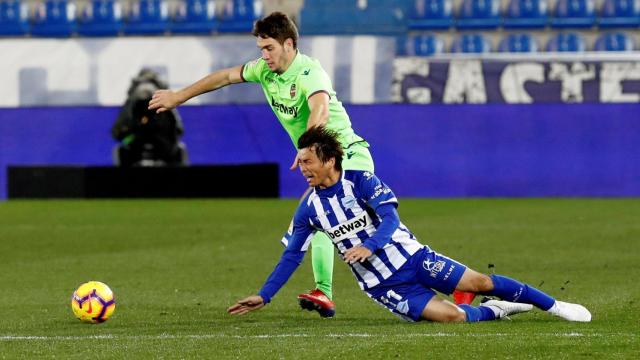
(358, 157)
(404, 300)
(438, 272)
(473, 281)
(441, 310)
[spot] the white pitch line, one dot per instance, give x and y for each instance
(7, 338)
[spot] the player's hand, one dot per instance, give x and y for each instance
(294, 165)
(246, 305)
(164, 100)
(357, 254)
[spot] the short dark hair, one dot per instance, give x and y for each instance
(277, 26)
(324, 143)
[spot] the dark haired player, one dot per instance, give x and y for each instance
(358, 212)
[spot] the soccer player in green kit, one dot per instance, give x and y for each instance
(301, 96)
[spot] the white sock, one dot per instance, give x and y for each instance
(554, 309)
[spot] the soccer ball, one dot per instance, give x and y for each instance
(93, 302)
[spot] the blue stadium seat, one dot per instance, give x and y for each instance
(424, 45)
(194, 17)
(574, 14)
(471, 44)
(620, 13)
(566, 42)
(527, 14)
(615, 41)
(239, 15)
(479, 14)
(519, 43)
(147, 17)
(431, 14)
(101, 18)
(331, 17)
(54, 18)
(13, 18)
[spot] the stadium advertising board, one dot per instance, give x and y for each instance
(89, 71)
(598, 78)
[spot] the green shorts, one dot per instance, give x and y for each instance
(357, 157)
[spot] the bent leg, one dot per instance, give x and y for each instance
(441, 310)
(475, 282)
(505, 288)
(515, 291)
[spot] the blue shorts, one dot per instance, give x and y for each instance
(408, 291)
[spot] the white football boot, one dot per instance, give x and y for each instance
(503, 309)
(570, 312)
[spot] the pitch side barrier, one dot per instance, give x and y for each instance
(435, 150)
(96, 182)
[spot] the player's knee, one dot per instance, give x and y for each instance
(454, 316)
(483, 283)
(443, 311)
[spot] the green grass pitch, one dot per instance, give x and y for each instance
(176, 265)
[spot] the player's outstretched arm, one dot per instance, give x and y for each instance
(246, 305)
(164, 100)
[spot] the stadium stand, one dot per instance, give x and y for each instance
(479, 14)
(194, 17)
(101, 18)
(518, 43)
(615, 41)
(239, 15)
(13, 18)
(474, 43)
(619, 14)
(54, 18)
(566, 42)
(147, 17)
(431, 14)
(424, 45)
(574, 14)
(422, 27)
(378, 17)
(526, 14)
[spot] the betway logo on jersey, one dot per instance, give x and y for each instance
(348, 228)
(290, 110)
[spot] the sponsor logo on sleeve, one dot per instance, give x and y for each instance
(379, 190)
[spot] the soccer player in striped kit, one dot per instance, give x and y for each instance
(358, 213)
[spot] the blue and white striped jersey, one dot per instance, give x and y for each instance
(346, 213)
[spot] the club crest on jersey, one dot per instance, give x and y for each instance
(292, 91)
(348, 201)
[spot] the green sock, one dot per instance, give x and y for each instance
(322, 262)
